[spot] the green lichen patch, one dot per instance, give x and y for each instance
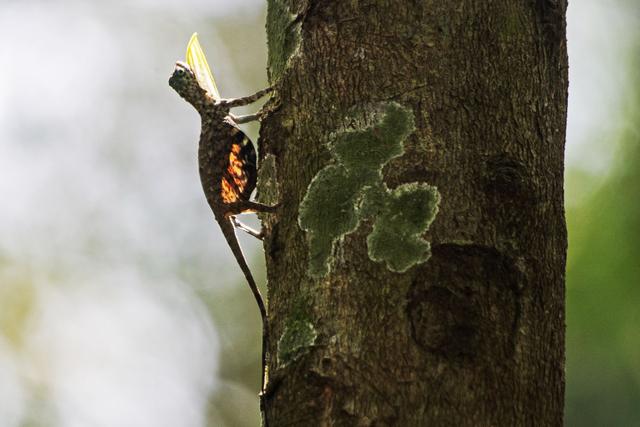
(364, 152)
(283, 36)
(352, 189)
(405, 215)
(328, 212)
(297, 339)
(373, 199)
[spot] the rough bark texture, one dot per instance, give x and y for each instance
(475, 335)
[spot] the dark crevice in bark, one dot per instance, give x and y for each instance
(468, 306)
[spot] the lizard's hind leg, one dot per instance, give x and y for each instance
(260, 207)
(242, 206)
(240, 226)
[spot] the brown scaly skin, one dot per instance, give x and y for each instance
(218, 137)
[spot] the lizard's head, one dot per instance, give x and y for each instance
(184, 81)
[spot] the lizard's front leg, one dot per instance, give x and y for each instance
(256, 116)
(246, 118)
(239, 102)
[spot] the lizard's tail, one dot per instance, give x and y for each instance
(230, 235)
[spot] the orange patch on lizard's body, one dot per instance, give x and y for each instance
(231, 191)
(229, 194)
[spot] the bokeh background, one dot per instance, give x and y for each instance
(120, 304)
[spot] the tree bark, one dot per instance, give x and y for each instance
(370, 327)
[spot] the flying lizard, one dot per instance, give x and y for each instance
(227, 161)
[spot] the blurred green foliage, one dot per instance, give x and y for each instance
(237, 321)
(603, 286)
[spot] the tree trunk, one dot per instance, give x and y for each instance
(416, 265)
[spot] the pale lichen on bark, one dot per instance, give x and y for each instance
(268, 191)
(297, 339)
(403, 216)
(352, 189)
(283, 36)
